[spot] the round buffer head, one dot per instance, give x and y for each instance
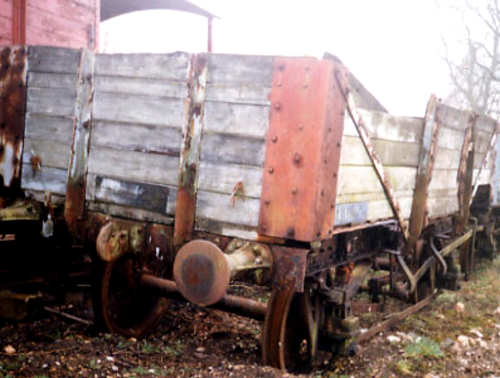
(201, 272)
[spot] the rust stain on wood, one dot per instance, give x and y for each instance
(190, 154)
(13, 69)
(74, 209)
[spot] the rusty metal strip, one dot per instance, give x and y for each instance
(465, 173)
(428, 147)
(289, 267)
(491, 148)
(74, 207)
(19, 22)
(496, 175)
(13, 71)
(303, 147)
(190, 154)
(382, 175)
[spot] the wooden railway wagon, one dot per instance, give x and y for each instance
(180, 171)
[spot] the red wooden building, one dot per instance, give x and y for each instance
(69, 23)
(72, 23)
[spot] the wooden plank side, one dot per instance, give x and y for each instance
(148, 110)
(451, 139)
(41, 126)
(390, 152)
(447, 159)
(108, 194)
(224, 178)
(236, 119)
(249, 69)
(452, 118)
(220, 207)
(6, 9)
(136, 137)
(80, 12)
(372, 211)
(51, 101)
(132, 194)
(220, 148)
(51, 80)
(47, 179)
(380, 196)
(52, 153)
(241, 93)
(443, 179)
(141, 86)
(129, 213)
(441, 205)
(363, 179)
(173, 66)
(134, 166)
(53, 59)
(388, 127)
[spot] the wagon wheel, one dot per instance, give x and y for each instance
(127, 308)
(290, 331)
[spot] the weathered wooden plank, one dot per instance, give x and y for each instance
(173, 66)
(446, 158)
(486, 124)
(136, 137)
(386, 126)
(47, 179)
(226, 229)
(250, 69)
(363, 179)
(241, 93)
(220, 148)
(51, 80)
(53, 59)
(41, 37)
(482, 140)
(220, 207)
(236, 119)
(361, 212)
(440, 206)
(52, 153)
(134, 166)
(451, 139)
(141, 86)
(51, 101)
(40, 126)
(117, 107)
(443, 178)
(380, 196)
(390, 152)
(225, 178)
(132, 194)
(93, 195)
(452, 118)
(79, 11)
(129, 213)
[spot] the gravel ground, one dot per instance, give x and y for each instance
(458, 335)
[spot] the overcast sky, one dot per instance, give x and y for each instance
(393, 46)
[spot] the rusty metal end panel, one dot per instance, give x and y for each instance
(302, 150)
(191, 148)
(13, 69)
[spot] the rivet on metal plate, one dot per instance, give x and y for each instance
(294, 191)
(277, 106)
(274, 139)
(271, 170)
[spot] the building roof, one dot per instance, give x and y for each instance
(112, 8)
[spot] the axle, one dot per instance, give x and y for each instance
(230, 303)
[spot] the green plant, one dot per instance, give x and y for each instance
(424, 347)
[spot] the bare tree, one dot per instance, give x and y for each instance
(476, 78)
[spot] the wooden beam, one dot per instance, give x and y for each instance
(19, 22)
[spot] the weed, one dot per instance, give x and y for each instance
(424, 347)
(174, 350)
(93, 364)
(403, 367)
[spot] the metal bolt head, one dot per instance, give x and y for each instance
(274, 139)
(297, 158)
(277, 106)
(294, 191)
(271, 170)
